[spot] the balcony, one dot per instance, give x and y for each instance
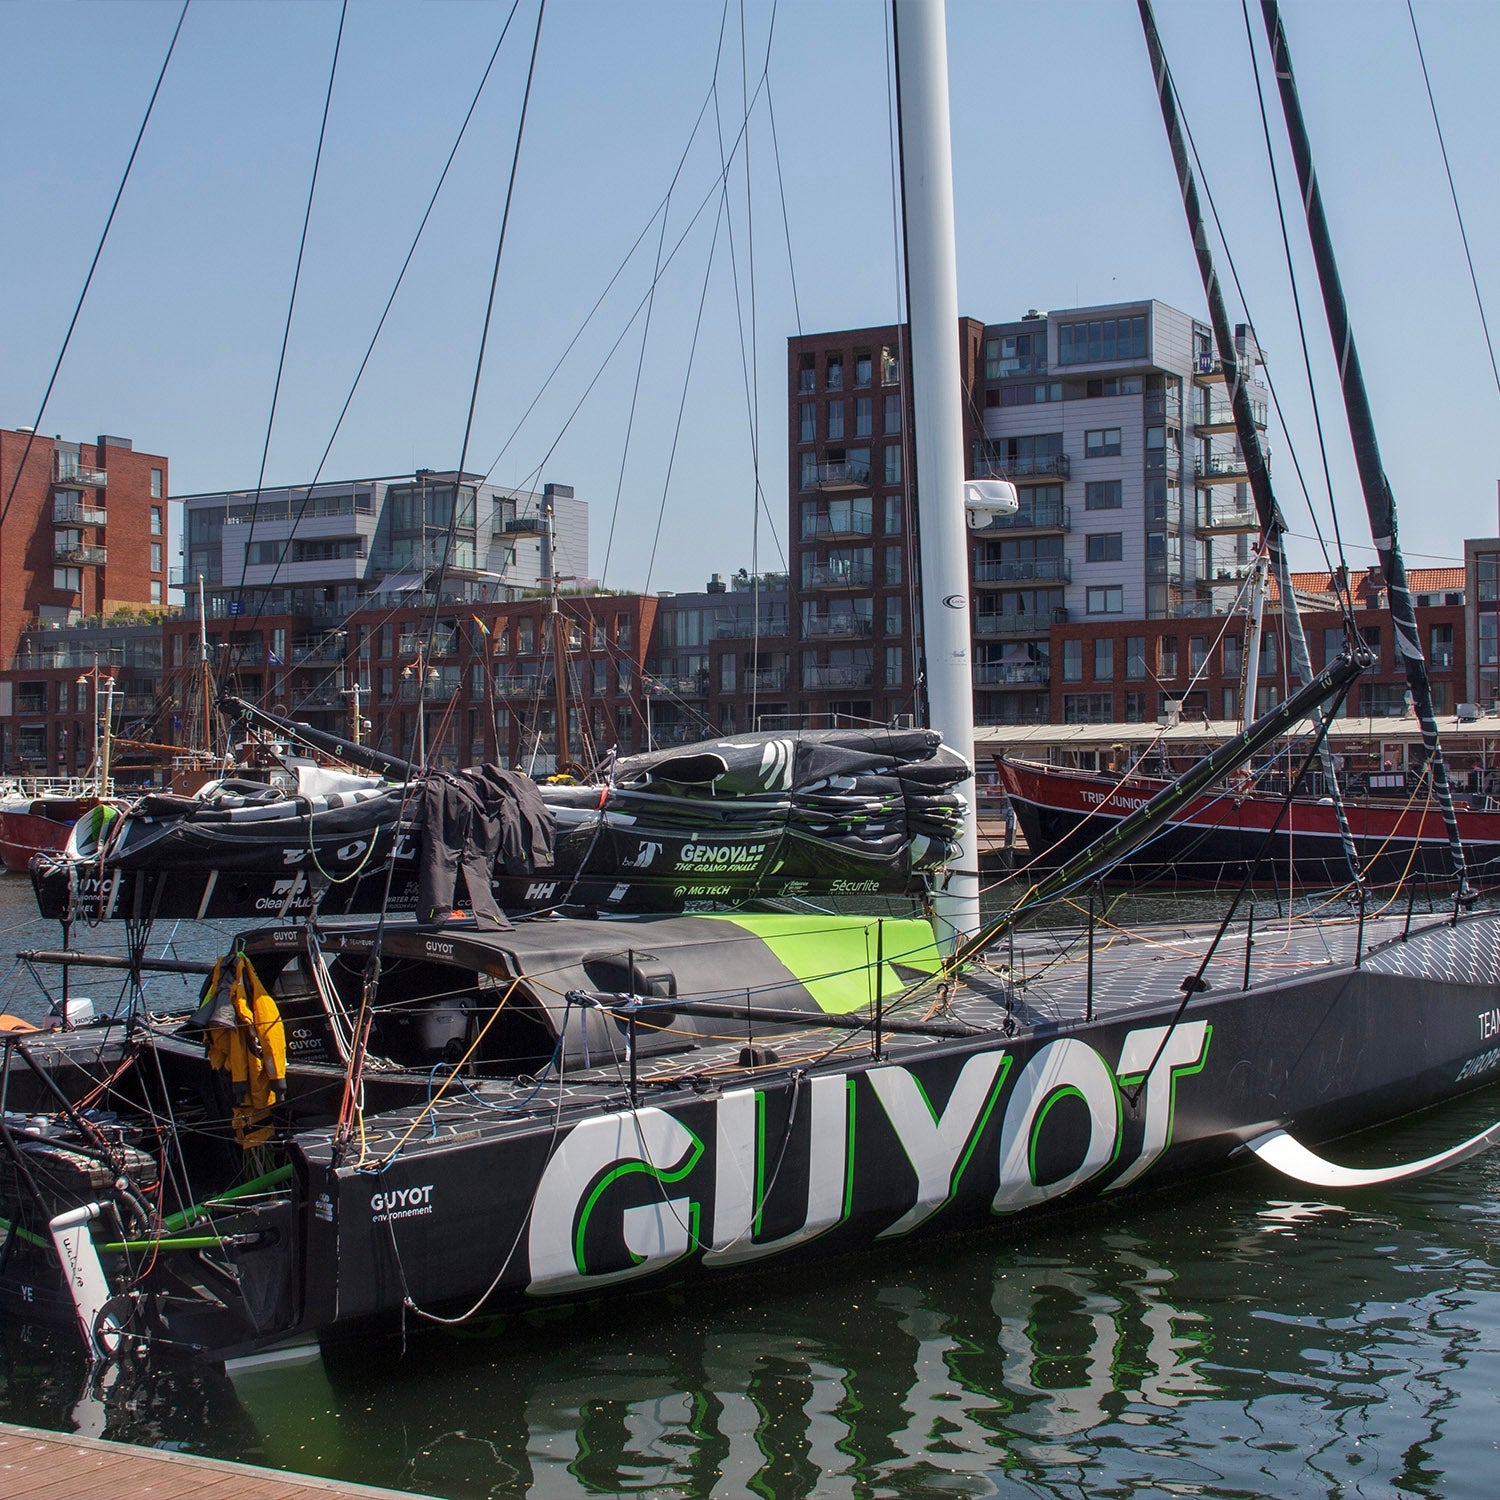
(839, 476)
(523, 687)
(71, 473)
(1052, 569)
(76, 513)
(1225, 468)
(743, 627)
(770, 680)
(676, 687)
(1227, 519)
(838, 677)
(31, 703)
(837, 525)
(445, 643)
(989, 626)
(135, 703)
(318, 653)
(92, 557)
(999, 674)
(1040, 466)
(1036, 518)
(1235, 575)
(837, 628)
(839, 576)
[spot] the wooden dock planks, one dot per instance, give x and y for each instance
(54, 1466)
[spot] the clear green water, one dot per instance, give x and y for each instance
(1222, 1341)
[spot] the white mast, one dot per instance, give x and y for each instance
(932, 305)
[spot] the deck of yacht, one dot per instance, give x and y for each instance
(1044, 983)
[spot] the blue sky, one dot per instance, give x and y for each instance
(1065, 197)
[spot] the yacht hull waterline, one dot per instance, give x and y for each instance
(734, 1138)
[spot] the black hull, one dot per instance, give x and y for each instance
(728, 1163)
(846, 812)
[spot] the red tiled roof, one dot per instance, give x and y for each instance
(1419, 581)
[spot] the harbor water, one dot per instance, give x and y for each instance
(1232, 1339)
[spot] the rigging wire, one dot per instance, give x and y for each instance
(263, 592)
(286, 331)
(351, 1114)
(450, 541)
(93, 264)
(907, 443)
(1453, 191)
(1339, 587)
(1346, 597)
(664, 210)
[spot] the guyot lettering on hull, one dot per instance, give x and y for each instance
(757, 1173)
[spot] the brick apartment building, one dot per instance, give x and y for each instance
(83, 537)
(1137, 671)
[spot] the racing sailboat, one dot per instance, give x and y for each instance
(382, 1119)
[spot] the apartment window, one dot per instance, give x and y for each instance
(1229, 695)
(893, 413)
(893, 463)
(1168, 656)
(156, 557)
(1105, 546)
(1088, 708)
(807, 375)
(1135, 658)
(893, 565)
(834, 371)
(623, 678)
(1197, 653)
(1104, 338)
(156, 489)
(892, 507)
(1135, 708)
(807, 422)
(893, 672)
(727, 664)
(156, 520)
(864, 416)
(156, 591)
(892, 617)
(1441, 642)
(526, 637)
(1104, 658)
(1101, 442)
(835, 421)
(1103, 494)
(69, 580)
(809, 471)
(1106, 601)
(1072, 661)
(890, 367)
(862, 367)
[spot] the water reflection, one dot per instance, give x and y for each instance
(1220, 1342)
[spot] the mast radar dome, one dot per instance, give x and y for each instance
(984, 499)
